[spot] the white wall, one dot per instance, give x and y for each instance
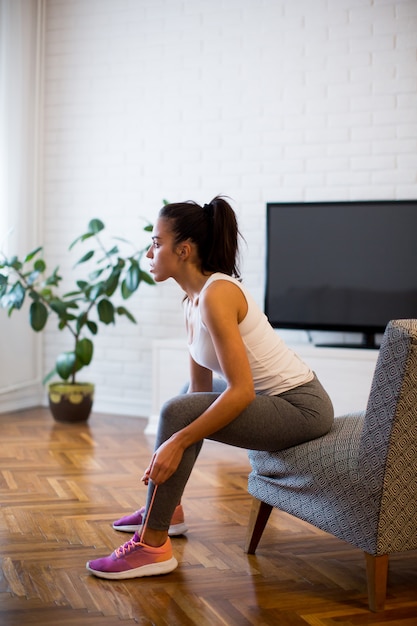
(21, 62)
(262, 100)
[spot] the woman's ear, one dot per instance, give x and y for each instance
(184, 250)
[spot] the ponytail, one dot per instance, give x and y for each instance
(212, 227)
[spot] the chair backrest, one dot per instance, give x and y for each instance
(388, 448)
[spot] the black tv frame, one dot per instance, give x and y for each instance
(368, 332)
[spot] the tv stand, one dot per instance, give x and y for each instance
(368, 343)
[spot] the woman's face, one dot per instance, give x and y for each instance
(164, 259)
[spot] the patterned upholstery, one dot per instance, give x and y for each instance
(358, 482)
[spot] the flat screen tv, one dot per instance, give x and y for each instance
(341, 266)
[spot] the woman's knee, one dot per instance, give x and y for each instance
(181, 410)
(172, 412)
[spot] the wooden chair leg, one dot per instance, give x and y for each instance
(258, 519)
(377, 575)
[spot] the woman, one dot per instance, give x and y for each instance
(270, 399)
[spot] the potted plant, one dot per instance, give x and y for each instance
(79, 311)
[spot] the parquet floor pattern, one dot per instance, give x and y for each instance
(62, 485)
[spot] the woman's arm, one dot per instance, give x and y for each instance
(222, 306)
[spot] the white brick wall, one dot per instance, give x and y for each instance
(262, 100)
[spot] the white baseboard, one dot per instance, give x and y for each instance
(20, 398)
(34, 396)
(152, 427)
(121, 406)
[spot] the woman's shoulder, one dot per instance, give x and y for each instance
(223, 296)
(219, 282)
(219, 277)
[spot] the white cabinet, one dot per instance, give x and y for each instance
(346, 373)
(170, 372)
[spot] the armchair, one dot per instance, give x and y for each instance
(359, 481)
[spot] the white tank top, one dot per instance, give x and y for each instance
(275, 367)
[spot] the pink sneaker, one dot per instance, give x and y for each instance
(134, 560)
(133, 523)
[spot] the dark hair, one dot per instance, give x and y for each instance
(212, 227)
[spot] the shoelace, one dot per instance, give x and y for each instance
(133, 543)
(127, 547)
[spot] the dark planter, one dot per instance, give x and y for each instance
(71, 402)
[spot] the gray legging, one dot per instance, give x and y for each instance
(268, 423)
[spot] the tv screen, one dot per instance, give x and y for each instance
(341, 266)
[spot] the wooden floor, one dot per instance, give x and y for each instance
(61, 486)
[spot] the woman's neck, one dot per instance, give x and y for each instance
(193, 284)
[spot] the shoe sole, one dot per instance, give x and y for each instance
(153, 569)
(175, 530)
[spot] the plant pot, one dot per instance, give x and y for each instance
(71, 402)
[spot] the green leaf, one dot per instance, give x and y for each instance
(80, 238)
(147, 278)
(125, 291)
(114, 250)
(54, 278)
(81, 321)
(15, 263)
(40, 266)
(112, 282)
(15, 298)
(32, 254)
(84, 351)
(92, 327)
(96, 274)
(68, 318)
(87, 256)
(64, 319)
(71, 294)
(65, 364)
(48, 376)
(33, 276)
(96, 291)
(132, 277)
(95, 226)
(105, 311)
(78, 365)
(46, 293)
(60, 307)
(122, 311)
(3, 284)
(38, 315)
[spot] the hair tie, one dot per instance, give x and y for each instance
(209, 210)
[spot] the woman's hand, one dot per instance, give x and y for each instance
(164, 462)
